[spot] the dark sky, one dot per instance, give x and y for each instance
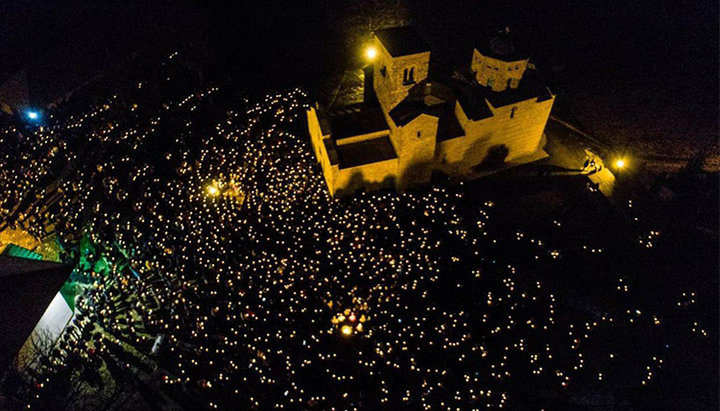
(280, 42)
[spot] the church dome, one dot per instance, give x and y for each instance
(501, 46)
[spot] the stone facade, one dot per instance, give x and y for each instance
(415, 144)
(381, 174)
(395, 76)
(497, 139)
(423, 128)
(497, 74)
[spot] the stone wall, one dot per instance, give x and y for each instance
(499, 74)
(490, 142)
(362, 137)
(368, 177)
(317, 140)
(316, 135)
(415, 147)
(389, 87)
(344, 181)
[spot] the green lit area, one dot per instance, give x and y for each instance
(14, 250)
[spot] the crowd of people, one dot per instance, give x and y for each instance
(216, 269)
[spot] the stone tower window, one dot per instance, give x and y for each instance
(512, 112)
(383, 71)
(408, 76)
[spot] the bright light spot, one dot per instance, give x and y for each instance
(212, 190)
(346, 330)
(33, 115)
(620, 163)
(370, 53)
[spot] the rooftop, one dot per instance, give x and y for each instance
(432, 99)
(355, 120)
(402, 41)
(531, 86)
(27, 288)
(501, 46)
(407, 111)
(365, 152)
(448, 127)
(474, 104)
(475, 98)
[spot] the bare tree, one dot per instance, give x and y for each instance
(360, 18)
(37, 351)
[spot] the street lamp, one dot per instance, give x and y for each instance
(620, 163)
(32, 114)
(370, 53)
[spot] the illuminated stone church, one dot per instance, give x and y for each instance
(409, 126)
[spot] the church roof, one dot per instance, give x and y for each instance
(26, 289)
(531, 86)
(355, 120)
(407, 111)
(474, 104)
(402, 41)
(412, 105)
(501, 46)
(448, 126)
(474, 99)
(431, 99)
(365, 152)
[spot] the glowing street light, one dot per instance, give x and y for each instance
(620, 163)
(370, 53)
(346, 330)
(32, 115)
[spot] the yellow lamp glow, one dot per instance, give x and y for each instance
(370, 53)
(346, 330)
(212, 190)
(620, 163)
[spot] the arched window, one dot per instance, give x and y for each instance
(512, 112)
(408, 75)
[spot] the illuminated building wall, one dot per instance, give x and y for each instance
(502, 124)
(348, 179)
(415, 145)
(47, 331)
(512, 137)
(497, 74)
(393, 77)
